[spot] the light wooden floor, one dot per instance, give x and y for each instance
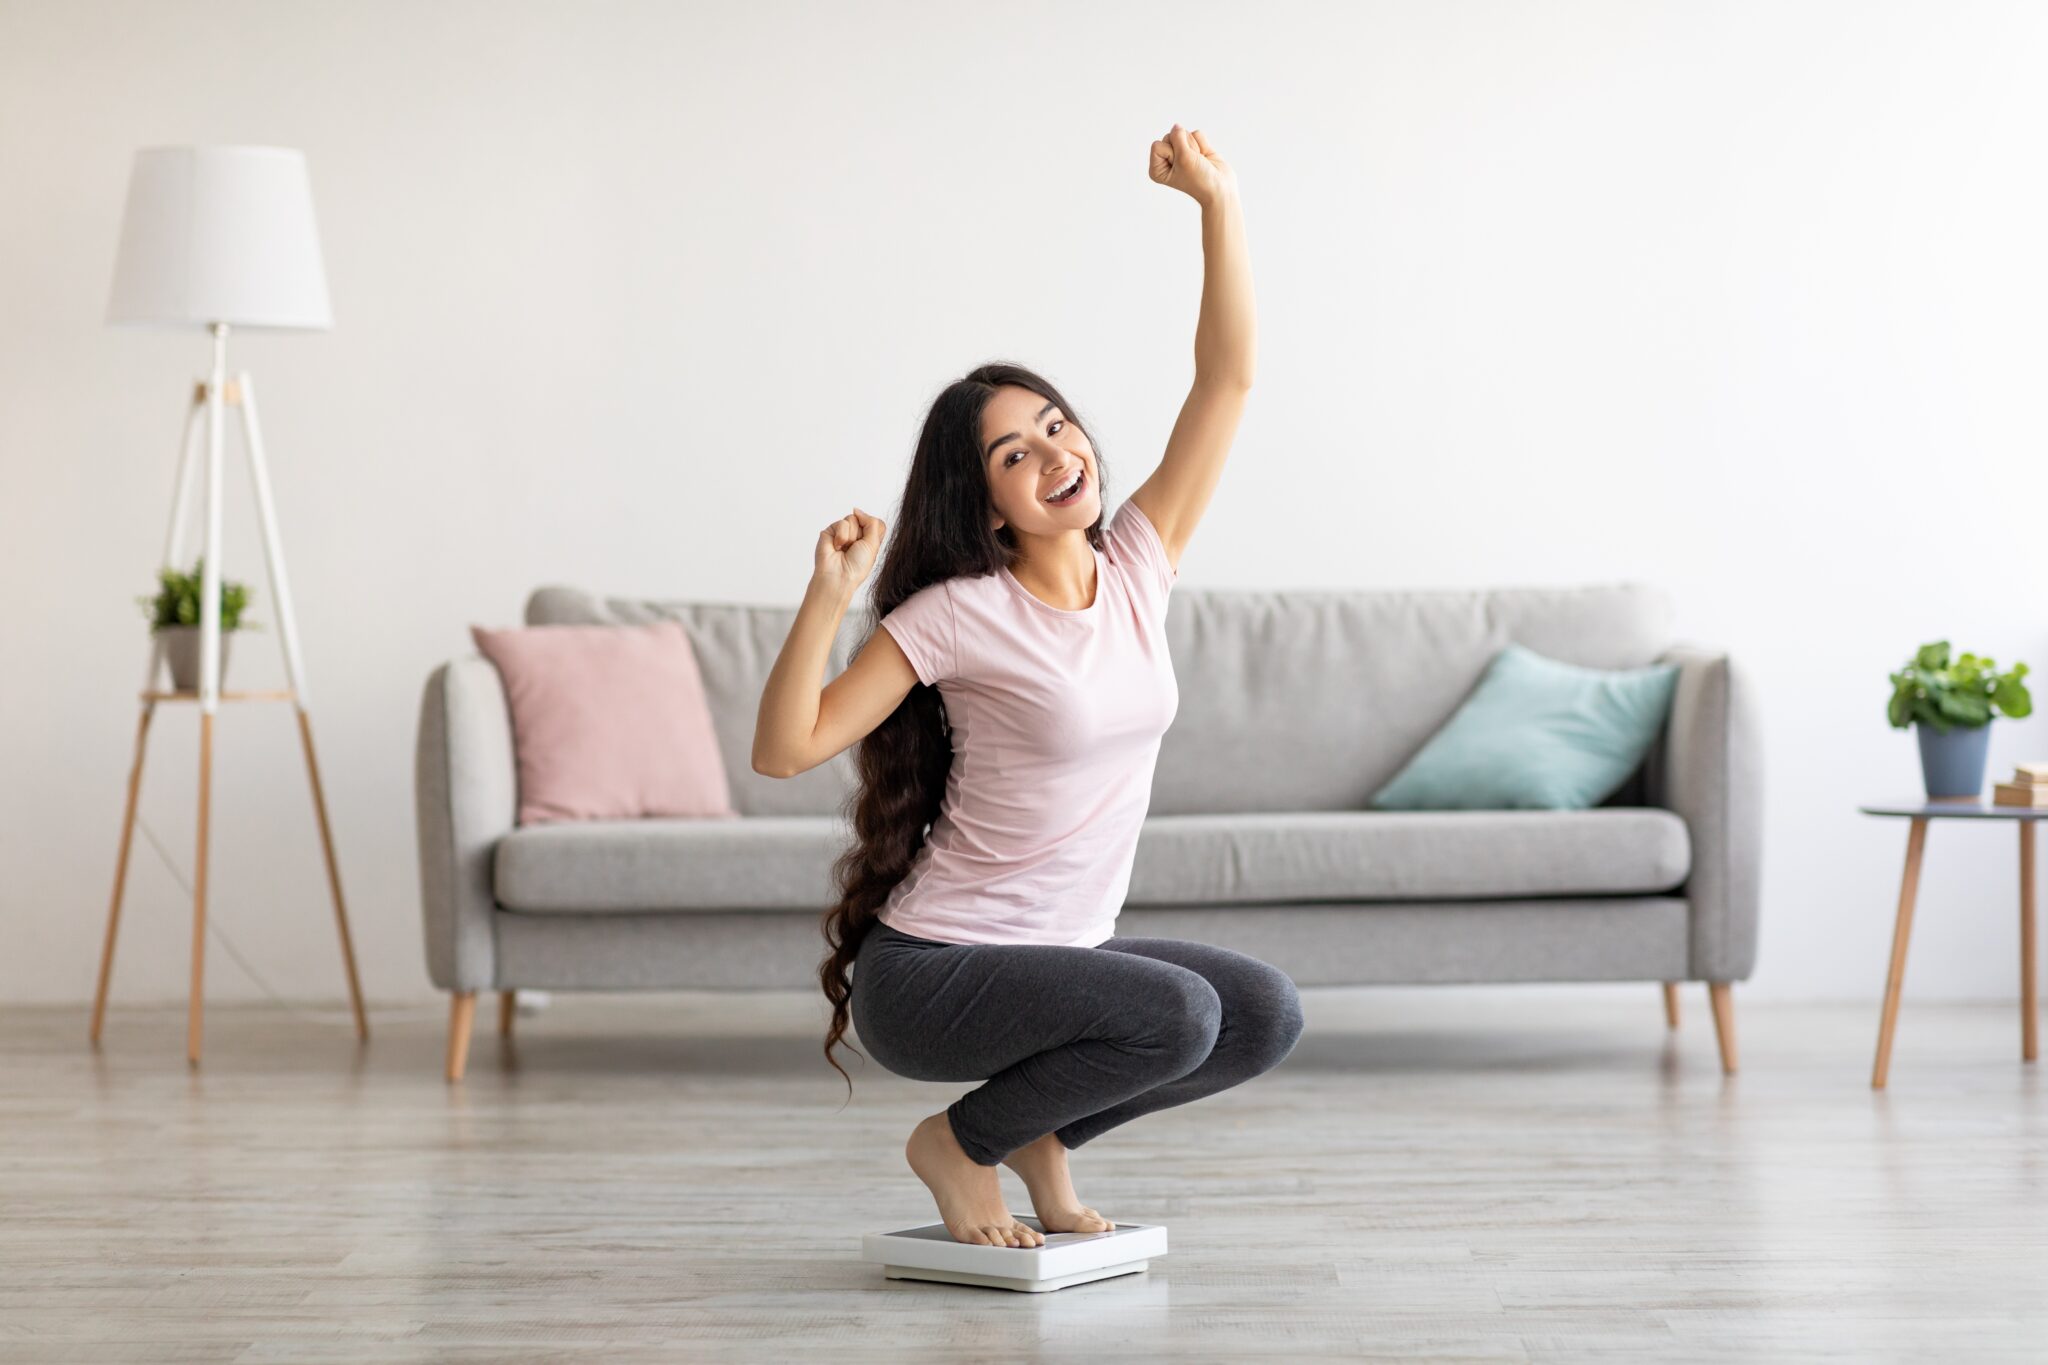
(1444, 1173)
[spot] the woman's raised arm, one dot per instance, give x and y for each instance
(1226, 343)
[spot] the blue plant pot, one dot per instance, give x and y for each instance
(1953, 763)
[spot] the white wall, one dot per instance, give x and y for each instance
(1747, 300)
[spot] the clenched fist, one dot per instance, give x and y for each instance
(1185, 161)
(847, 549)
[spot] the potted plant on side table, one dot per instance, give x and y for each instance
(1951, 704)
(174, 615)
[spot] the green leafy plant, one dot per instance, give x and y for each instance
(176, 600)
(1937, 692)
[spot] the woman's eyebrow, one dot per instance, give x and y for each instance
(1013, 436)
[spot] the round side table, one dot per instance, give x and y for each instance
(1957, 808)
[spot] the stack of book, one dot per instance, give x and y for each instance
(2029, 787)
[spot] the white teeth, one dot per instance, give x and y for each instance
(1068, 487)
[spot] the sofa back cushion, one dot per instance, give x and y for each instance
(1314, 699)
(607, 723)
(1537, 734)
(1298, 699)
(736, 645)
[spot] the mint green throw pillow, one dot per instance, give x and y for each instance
(1537, 734)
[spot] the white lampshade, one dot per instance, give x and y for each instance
(219, 234)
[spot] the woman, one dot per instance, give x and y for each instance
(1014, 698)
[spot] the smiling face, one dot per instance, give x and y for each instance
(1031, 450)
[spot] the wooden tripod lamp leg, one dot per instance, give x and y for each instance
(1671, 1004)
(181, 490)
(198, 1003)
(508, 1002)
(99, 1001)
(348, 952)
(288, 639)
(209, 673)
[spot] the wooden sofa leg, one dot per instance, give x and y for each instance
(507, 1002)
(461, 1013)
(1671, 1004)
(1724, 1022)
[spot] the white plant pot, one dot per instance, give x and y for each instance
(181, 652)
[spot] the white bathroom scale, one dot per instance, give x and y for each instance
(930, 1253)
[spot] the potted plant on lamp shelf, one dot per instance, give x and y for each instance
(1951, 703)
(174, 615)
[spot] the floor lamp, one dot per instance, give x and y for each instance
(213, 238)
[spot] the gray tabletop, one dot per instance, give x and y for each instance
(1959, 807)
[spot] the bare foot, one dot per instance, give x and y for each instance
(1043, 1164)
(969, 1194)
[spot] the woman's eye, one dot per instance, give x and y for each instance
(1015, 455)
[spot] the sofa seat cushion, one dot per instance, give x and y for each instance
(1408, 855)
(757, 862)
(785, 862)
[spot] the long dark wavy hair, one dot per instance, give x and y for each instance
(941, 531)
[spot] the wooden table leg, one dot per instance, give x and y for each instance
(2029, 1040)
(1901, 932)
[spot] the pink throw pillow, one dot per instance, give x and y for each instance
(608, 722)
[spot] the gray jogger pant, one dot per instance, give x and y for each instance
(1072, 1041)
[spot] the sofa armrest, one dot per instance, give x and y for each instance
(466, 790)
(1708, 768)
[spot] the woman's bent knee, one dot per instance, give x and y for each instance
(1281, 1022)
(1190, 1023)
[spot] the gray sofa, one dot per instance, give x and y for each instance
(1295, 706)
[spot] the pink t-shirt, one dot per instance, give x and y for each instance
(1056, 718)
